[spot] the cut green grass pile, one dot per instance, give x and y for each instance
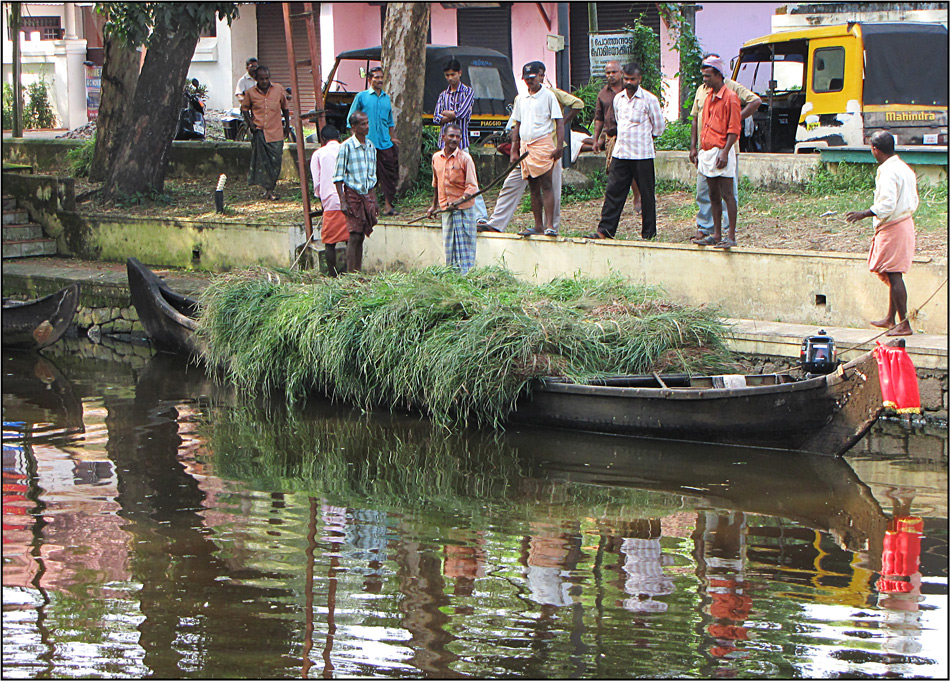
(462, 348)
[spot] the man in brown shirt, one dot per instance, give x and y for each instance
(265, 110)
(606, 124)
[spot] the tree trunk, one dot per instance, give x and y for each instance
(403, 52)
(140, 160)
(120, 72)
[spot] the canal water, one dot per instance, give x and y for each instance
(157, 524)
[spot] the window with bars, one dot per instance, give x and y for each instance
(49, 28)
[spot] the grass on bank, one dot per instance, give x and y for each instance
(462, 348)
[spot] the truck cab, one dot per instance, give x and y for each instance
(835, 86)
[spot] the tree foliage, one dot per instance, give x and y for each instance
(135, 23)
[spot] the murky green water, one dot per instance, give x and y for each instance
(157, 525)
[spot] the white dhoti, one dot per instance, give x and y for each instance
(706, 163)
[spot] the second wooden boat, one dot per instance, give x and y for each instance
(36, 324)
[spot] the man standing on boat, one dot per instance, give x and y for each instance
(454, 180)
(639, 121)
(605, 123)
(378, 107)
(750, 104)
(892, 248)
(265, 111)
(716, 158)
(355, 180)
(322, 166)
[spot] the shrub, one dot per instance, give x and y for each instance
(589, 94)
(38, 113)
(7, 106)
(80, 158)
(849, 178)
(675, 137)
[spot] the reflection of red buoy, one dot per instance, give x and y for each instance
(901, 556)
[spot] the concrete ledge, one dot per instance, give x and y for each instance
(817, 288)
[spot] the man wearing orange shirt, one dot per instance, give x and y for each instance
(716, 159)
(454, 179)
(265, 110)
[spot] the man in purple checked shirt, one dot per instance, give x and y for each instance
(455, 106)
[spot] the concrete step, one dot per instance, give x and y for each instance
(22, 232)
(15, 216)
(28, 248)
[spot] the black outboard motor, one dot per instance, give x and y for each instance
(191, 118)
(819, 355)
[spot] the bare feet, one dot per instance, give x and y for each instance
(883, 323)
(902, 329)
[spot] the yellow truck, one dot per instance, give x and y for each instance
(835, 86)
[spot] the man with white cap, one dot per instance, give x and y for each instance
(750, 104)
(716, 158)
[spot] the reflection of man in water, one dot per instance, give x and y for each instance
(899, 584)
(723, 552)
(551, 555)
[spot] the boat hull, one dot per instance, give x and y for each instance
(167, 317)
(39, 323)
(826, 414)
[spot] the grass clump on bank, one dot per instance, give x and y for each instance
(462, 348)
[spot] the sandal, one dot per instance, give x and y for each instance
(706, 241)
(530, 232)
(726, 243)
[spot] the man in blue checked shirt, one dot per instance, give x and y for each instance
(455, 106)
(355, 180)
(378, 108)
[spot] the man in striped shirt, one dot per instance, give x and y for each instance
(454, 106)
(639, 121)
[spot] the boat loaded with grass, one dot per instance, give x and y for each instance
(580, 353)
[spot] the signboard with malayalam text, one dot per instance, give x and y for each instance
(605, 47)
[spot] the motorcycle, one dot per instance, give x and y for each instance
(191, 117)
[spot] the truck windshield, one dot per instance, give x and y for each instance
(755, 68)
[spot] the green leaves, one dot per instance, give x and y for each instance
(134, 23)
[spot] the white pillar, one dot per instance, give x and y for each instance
(69, 21)
(75, 115)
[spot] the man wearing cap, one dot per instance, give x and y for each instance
(750, 104)
(639, 121)
(716, 158)
(536, 114)
(509, 198)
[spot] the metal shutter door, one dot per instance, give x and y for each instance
(486, 27)
(272, 49)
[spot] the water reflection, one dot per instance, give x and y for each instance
(155, 524)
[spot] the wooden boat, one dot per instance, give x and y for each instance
(35, 324)
(823, 414)
(169, 318)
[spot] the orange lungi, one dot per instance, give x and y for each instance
(538, 161)
(334, 229)
(892, 249)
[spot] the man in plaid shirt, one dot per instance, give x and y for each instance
(355, 180)
(454, 106)
(639, 121)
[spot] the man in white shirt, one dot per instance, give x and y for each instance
(322, 164)
(248, 80)
(892, 250)
(639, 121)
(536, 115)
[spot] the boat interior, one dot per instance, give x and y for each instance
(687, 381)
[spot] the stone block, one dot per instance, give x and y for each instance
(931, 394)
(100, 315)
(121, 326)
(576, 180)
(94, 334)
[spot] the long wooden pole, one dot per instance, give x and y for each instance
(298, 124)
(17, 71)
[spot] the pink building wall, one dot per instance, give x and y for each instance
(442, 23)
(355, 25)
(529, 38)
(722, 27)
